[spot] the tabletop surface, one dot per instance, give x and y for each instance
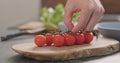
(7, 55)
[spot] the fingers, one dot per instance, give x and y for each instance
(94, 19)
(68, 20)
(68, 16)
(98, 12)
(90, 12)
(83, 19)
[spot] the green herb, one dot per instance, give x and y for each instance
(52, 17)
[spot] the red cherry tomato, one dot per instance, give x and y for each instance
(49, 40)
(88, 37)
(69, 39)
(40, 40)
(79, 38)
(58, 40)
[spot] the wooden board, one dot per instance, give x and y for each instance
(98, 47)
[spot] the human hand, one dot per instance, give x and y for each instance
(90, 13)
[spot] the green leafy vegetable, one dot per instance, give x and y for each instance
(52, 17)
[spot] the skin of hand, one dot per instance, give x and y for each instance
(90, 13)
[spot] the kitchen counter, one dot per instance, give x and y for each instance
(7, 55)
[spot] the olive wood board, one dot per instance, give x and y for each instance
(98, 47)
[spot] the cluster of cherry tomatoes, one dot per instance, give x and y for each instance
(65, 39)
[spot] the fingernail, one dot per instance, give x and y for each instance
(74, 31)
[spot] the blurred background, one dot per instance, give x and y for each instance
(111, 7)
(17, 11)
(28, 14)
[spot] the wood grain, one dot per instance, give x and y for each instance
(99, 47)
